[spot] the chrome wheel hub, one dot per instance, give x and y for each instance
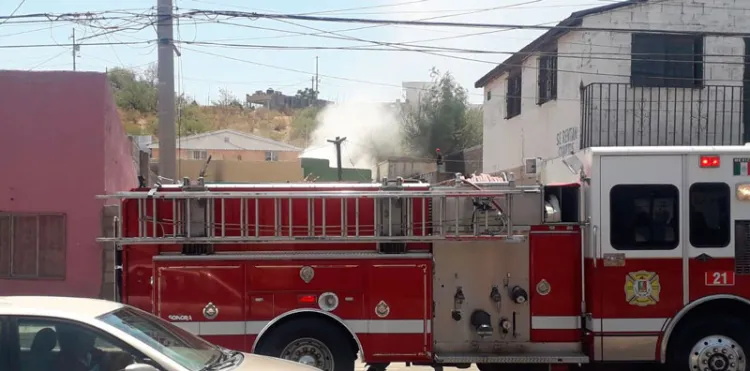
(310, 352)
(717, 353)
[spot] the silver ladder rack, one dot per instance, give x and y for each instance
(198, 215)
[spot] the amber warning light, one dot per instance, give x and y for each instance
(710, 161)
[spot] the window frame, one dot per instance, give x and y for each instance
(728, 215)
(547, 77)
(514, 92)
(38, 275)
(14, 340)
(646, 58)
(197, 154)
(616, 215)
(272, 156)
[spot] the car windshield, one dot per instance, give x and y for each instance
(183, 347)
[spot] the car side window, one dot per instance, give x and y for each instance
(49, 344)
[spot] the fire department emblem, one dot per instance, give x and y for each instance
(382, 310)
(543, 287)
(210, 311)
(642, 288)
(307, 273)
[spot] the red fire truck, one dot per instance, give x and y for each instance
(606, 255)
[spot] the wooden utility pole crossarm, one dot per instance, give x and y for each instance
(337, 142)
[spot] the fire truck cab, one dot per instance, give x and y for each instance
(609, 255)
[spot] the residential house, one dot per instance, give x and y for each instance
(674, 76)
(235, 157)
(64, 145)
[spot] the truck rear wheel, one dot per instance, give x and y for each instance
(710, 344)
(311, 341)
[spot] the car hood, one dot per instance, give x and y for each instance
(256, 362)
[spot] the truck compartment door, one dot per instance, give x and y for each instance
(400, 310)
(640, 267)
(204, 297)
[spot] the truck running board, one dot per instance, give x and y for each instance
(529, 358)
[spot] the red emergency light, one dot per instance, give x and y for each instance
(306, 299)
(710, 161)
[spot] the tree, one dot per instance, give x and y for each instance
(227, 99)
(471, 133)
(304, 124)
(442, 119)
(307, 95)
(189, 119)
(132, 91)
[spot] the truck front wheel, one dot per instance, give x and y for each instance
(710, 344)
(311, 341)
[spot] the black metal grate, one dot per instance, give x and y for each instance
(742, 247)
(618, 114)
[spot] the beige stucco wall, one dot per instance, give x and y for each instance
(240, 155)
(242, 171)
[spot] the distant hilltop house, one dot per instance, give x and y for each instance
(276, 100)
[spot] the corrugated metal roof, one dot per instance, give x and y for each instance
(575, 20)
(230, 140)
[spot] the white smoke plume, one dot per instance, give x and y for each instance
(372, 131)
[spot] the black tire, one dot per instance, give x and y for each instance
(682, 341)
(336, 340)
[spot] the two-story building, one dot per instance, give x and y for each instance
(637, 72)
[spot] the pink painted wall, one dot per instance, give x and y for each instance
(62, 144)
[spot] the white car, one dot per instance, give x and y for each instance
(43, 333)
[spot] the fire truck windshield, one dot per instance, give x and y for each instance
(181, 346)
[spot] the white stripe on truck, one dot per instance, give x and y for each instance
(408, 326)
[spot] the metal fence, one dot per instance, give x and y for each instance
(617, 114)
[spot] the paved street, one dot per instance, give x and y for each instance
(402, 367)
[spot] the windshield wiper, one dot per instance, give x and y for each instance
(226, 358)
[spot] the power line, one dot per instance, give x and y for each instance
(255, 15)
(13, 13)
(367, 7)
(76, 44)
(423, 48)
(376, 83)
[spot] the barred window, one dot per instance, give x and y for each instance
(513, 98)
(547, 78)
(32, 245)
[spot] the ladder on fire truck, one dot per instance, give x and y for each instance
(399, 212)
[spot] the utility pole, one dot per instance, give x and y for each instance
(166, 98)
(317, 78)
(76, 48)
(337, 142)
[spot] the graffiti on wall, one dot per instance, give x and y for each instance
(567, 141)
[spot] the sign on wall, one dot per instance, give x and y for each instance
(566, 141)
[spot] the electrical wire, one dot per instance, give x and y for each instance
(376, 83)
(254, 15)
(47, 60)
(68, 45)
(13, 13)
(629, 57)
(367, 7)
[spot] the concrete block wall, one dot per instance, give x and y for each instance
(109, 213)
